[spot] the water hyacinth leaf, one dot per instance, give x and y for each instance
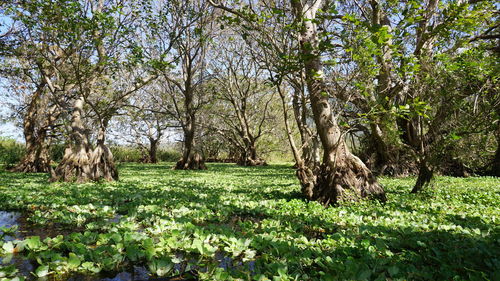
(33, 243)
(161, 267)
(42, 271)
(91, 267)
(8, 247)
(73, 260)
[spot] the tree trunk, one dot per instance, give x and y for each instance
(342, 176)
(304, 172)
(153, 148)
(390, 156)
(425, 175)
(310, 142)
(495, 165)
(191, 159)
(75, 165)
(379, 146)
(149, 153)
(79, 163)
(248, 157)
(101, 161)
(37, 157)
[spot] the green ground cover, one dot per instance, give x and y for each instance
(232, 222)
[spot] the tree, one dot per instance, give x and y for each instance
(79, 49)
(100, 36)
(185, 85)
(29, 69)
(394, 53)
(439, 34)
(241, 85)
(38, 121)
(341, 170)
(342, 176)
(145, 120)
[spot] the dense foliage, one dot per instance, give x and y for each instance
(233, 222)
(10, 151)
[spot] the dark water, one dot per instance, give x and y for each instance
(10, 219)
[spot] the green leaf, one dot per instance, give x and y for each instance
(91, 267)
(42, 271)
(73, 260)
(33, 243)
(8, 247)
(161, 267)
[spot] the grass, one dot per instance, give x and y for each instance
(232, 222)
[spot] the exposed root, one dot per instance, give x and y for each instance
(83, 166)
(347, 181)
(194, 162)
(31, 165)
(251, 162)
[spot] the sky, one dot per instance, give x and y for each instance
(7, 128)
(10, 131)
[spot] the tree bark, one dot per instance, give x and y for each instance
(191, 159)
(79, 162)
(305, 172)
(310, 142)
(75, 165)
(342, 176)
(37, 157)
(101, 161)
(153, 149)
(149, 152)
(248, 156)
(424, 178)
(495, 165)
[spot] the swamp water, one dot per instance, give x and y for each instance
(25, 266)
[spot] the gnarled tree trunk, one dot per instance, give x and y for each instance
(37, 157)
(388, 154)
(248, 157)
(101, 161)
(342, 176)
(381, 149)
(79, 162)
(75, 165)
(304, 173)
